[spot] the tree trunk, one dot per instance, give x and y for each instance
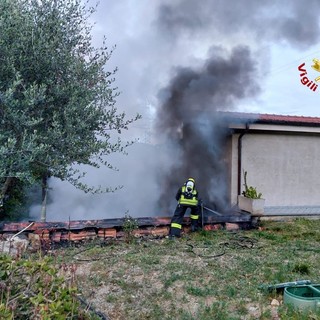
(44, 198)
(4, 189)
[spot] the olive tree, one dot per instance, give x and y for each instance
(57, 99)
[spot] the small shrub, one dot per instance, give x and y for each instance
(129, 225)
(34, 289)
(250, 191)
(301, 268)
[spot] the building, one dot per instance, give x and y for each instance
(281, 155)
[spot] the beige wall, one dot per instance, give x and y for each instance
(285, 167)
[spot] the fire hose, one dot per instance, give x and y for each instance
(24, 229)
(235, 243)
(89, 307)
(215, 212)
(208, 209)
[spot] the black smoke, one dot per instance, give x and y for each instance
(189, 118)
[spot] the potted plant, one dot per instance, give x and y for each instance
(251, 200)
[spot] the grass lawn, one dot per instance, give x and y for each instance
(206, 275)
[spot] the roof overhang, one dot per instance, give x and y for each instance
(239, 122)
(274, 128)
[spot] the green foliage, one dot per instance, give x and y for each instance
(35, 289)
(13, 205)
(250, 192)
(129, 225)
(302, 268)
(199, 291)
(57, 100)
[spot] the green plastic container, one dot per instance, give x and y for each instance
(305, 298)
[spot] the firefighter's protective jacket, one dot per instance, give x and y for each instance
(186, 198)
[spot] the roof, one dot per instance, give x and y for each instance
(272, 119)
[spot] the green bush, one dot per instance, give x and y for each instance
(34, 289)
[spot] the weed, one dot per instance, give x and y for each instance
(33, 289)
(242, 308)
(171, 279)
(198, 291)
(231, 291)
(129, 225)
(302, 268)
(111, 298)
(96, 280)
(216, 311)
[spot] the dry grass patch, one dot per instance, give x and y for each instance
(208, 275)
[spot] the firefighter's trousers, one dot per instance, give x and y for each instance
(177, 219)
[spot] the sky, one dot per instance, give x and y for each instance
(178, 58)
(154, 37)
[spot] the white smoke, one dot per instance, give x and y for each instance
(138, 196)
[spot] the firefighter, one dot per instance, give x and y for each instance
(187, 197)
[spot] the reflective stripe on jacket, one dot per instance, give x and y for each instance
(188, 198)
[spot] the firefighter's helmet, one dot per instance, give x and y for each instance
(190, 184)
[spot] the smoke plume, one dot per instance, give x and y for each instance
(179, 63)
(188, 117)
(188, 107)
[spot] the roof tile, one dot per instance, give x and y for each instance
(273, 118)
